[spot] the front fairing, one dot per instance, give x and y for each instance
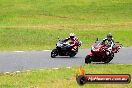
(97, 46)
(63, 45)
(59, 44)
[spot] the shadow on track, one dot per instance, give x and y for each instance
(66, 57)
(100, 63)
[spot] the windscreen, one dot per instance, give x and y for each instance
(98, 43)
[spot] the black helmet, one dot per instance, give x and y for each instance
(109, 36)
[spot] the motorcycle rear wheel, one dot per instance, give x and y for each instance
(72, 54)
(109, 58)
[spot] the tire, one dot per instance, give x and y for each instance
(109, 58)
(81, 80)
(88, 59)
(72, 54)
(54, 53)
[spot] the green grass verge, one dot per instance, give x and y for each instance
(62, 78)
(39, 39)
(35, 25)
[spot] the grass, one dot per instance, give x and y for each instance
(63, 77)
(35, 25)
(28, 12)
(40, 39)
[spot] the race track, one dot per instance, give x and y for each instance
(17, 61)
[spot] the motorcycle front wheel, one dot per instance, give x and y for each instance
(54, 53)
(88, 59)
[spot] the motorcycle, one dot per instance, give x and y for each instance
(99, 52)
(63, 48)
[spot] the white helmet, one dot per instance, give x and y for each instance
(72, 35)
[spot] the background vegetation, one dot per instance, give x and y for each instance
(36, 25)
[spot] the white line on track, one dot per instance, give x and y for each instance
(68, 67)
(55, 68)
(28, 70)
(46, 50)
(18, 51)
(6, 72)
(18, 71)
(41, 69)
(32, 50)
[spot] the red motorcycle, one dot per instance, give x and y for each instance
(99, 52)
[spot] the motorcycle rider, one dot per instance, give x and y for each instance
(110, 43)
(73, 40)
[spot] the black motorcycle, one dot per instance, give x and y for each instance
(63, 48)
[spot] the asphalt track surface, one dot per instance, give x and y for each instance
(27, 60)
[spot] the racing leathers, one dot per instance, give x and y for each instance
(73, 43)
(110, 44)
